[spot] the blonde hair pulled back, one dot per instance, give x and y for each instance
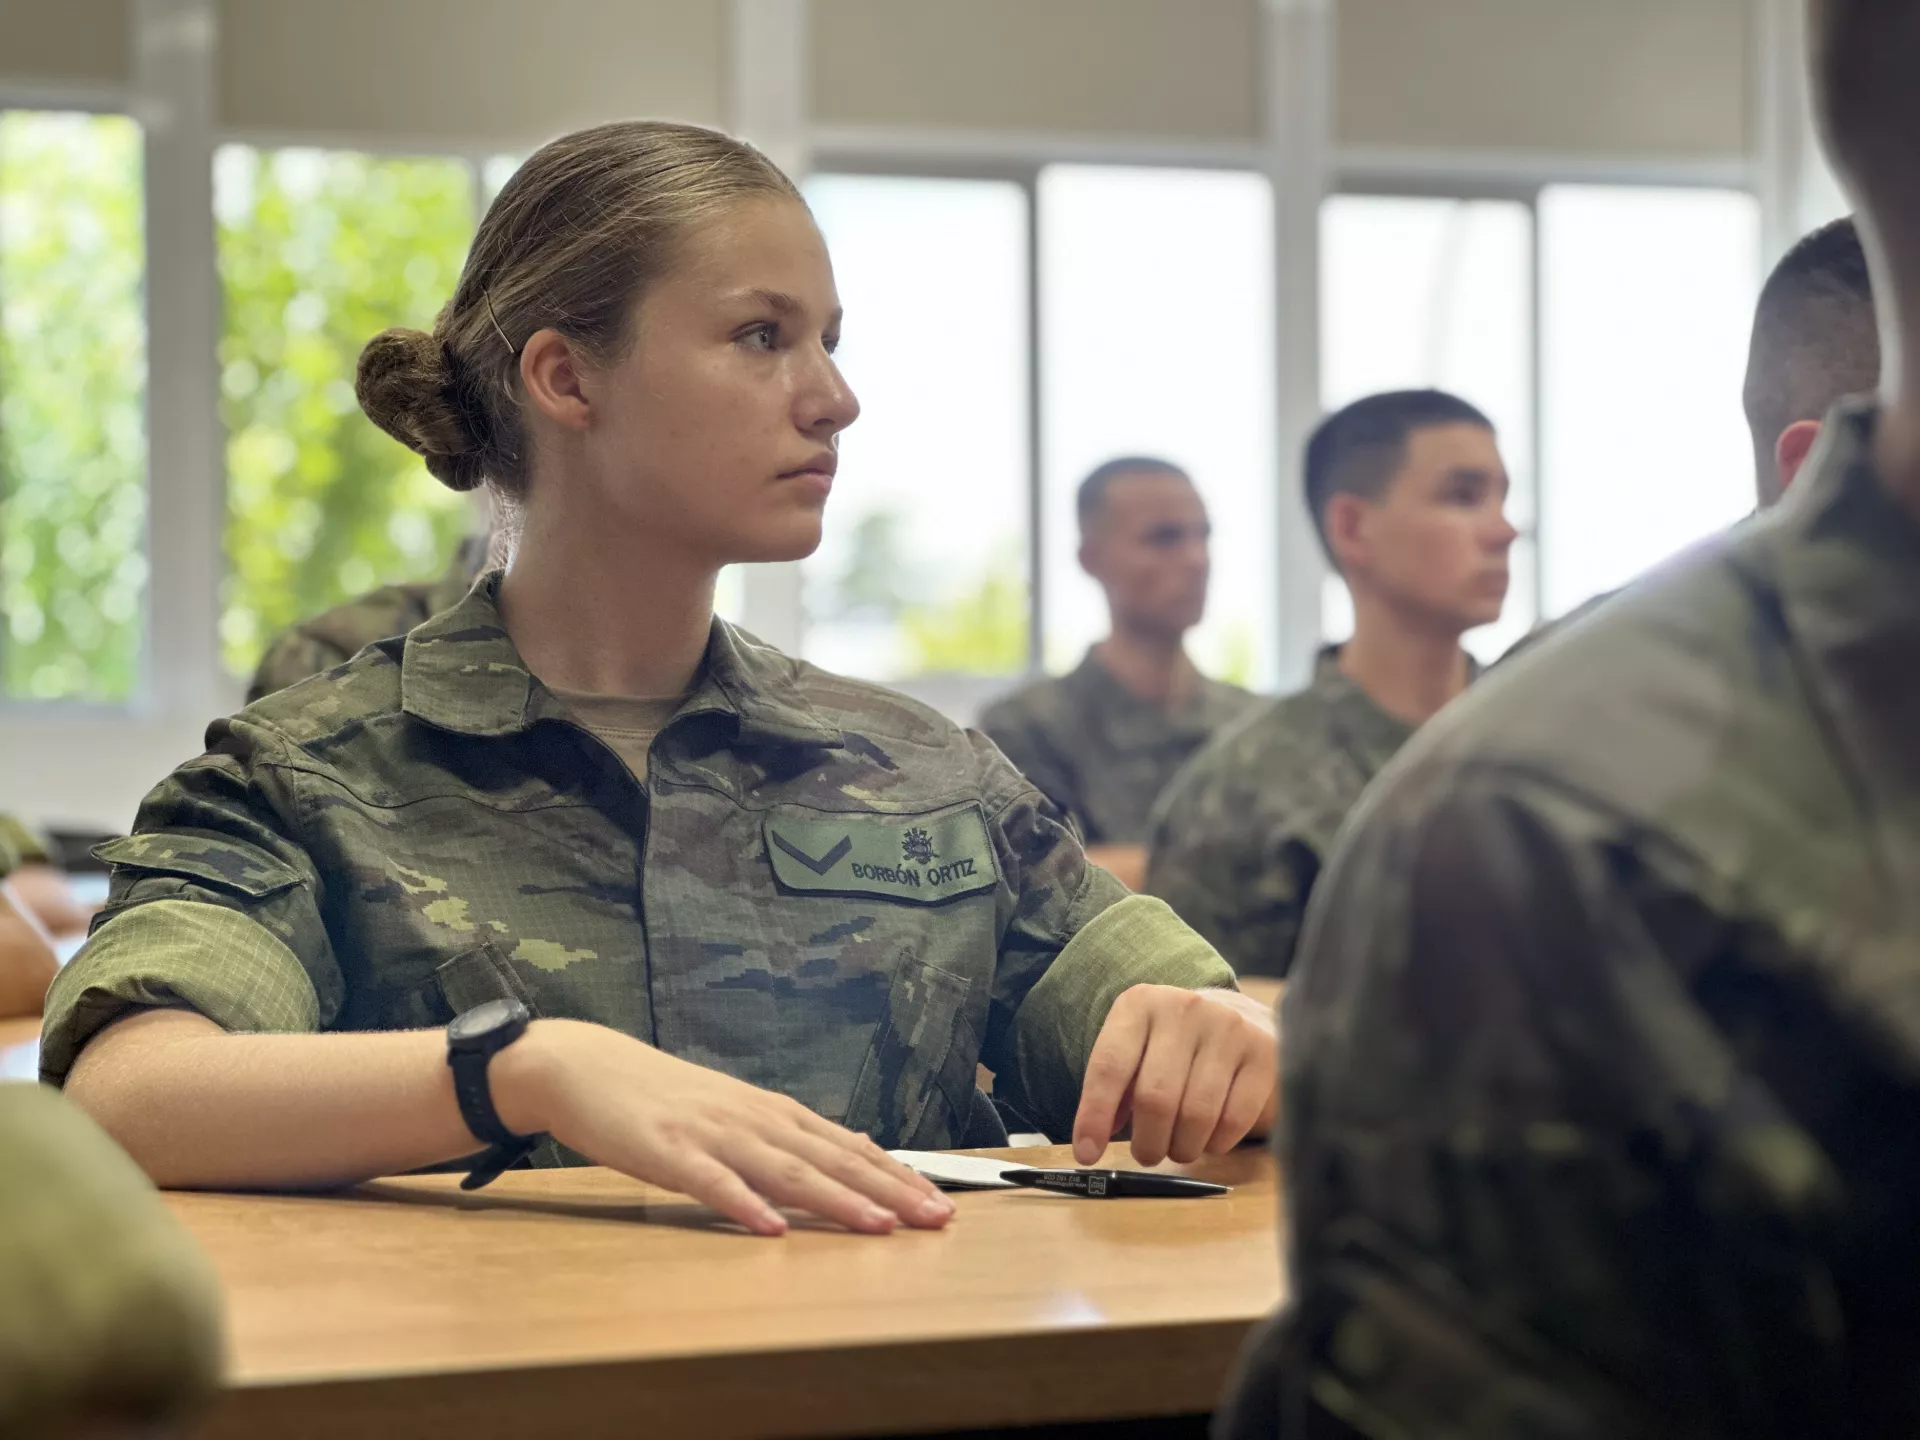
(571, 243)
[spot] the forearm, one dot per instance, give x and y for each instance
(198, 1107)
(27, 965)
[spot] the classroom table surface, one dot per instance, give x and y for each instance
(1263, 988)
(584, 1304)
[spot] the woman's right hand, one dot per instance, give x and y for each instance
(739, 1149)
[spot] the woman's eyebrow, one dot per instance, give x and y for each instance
(782, 303)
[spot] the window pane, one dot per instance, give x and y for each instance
(73, 450)
(923, 568)
(1420, 292)
(1156, 320)
(318, 251)
(495, 171)
(1648, 305)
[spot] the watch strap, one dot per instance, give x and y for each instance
(471, 1089)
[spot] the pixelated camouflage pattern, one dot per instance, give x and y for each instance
(335, 636)
(19, 845)
(1098, 751)
(429, 828)
(1603, 1046)
(1239, 838)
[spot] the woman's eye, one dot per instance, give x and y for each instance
(832, 344)
(762, 337)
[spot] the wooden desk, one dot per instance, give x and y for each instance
(1263, 988)
(20, 1049)
(580, 1304)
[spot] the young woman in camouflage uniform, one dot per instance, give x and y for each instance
(766, 916)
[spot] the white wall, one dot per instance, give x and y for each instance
(1164, 68)
(71, 41)
(1654, 78)
(469, 73)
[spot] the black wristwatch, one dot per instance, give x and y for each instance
(473, 1039)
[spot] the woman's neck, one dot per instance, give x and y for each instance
(597, 616)
(1409, 671)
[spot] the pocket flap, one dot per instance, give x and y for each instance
(227, 865)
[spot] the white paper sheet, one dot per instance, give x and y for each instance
(958, 1172)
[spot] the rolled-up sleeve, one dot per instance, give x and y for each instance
(1136, 941)
(1075, 940)
(214, 907)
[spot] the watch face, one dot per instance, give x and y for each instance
(472, 1026)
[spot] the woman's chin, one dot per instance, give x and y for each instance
(793, 540)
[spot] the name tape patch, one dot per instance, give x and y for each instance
(920, 859)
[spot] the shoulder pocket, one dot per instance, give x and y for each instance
(922, 859)
(225, 865)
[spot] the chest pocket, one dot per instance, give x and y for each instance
(896, 914)
(916, 1086)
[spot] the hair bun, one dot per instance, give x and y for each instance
(405, 383)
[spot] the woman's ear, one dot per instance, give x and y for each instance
(552, 374)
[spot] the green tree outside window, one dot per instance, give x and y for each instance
(73, 374)
(319, 250)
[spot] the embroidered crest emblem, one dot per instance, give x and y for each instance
(917, 845)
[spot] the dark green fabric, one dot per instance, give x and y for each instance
(1603, 1044)
(429, 826)
(108, 1310)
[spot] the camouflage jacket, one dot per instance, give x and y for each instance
(335, 636)
(1099, 752)
(822, 887)
(1603, 1048)
(108, 1310)
(18, 846)
(1238, 839)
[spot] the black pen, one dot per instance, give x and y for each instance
(1113, 1184)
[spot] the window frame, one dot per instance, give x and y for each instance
(1524, 184)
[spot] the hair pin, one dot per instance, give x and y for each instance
(486, 297)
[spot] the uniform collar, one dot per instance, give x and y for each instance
(1135, 724)
(1845, 558)
(1362, 722)
(460, 672)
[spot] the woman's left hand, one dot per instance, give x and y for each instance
(1195, 1071)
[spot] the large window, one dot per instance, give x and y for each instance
(318, 251)
(1157, 338)
(923, 567)
(1639, 447)
(73, 567)
(1647, 305)
(1422, 292)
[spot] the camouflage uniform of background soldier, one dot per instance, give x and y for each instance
(820, 888)
(1240, 836)
(335, 636)
(1098, 751)
(109, 1314)
(1603, 1046)
(18, 846)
